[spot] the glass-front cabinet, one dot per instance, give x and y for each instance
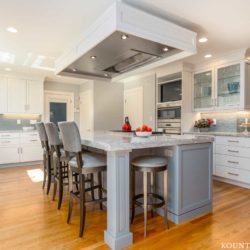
(228, 86)
(203, 84)
(223, 87)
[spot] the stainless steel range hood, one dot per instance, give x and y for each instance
(125, 41)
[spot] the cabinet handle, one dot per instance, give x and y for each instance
(6, 141)
(33, 140)
(233, 141)
(233, 174)
(5, 136)
(233, 162)
(233, 151)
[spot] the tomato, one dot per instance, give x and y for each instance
(138, 130)
(149, 129)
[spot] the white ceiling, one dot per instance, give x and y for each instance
(48, 27)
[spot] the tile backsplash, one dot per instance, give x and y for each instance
(228, 122)
(9, 122)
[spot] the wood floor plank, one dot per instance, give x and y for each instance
(29, 219)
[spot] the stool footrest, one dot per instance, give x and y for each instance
(154, 200)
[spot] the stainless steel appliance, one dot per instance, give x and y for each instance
(169, 118)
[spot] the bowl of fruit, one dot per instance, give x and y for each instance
(144, 131)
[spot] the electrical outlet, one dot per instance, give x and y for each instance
(18, 122)
(33, 121)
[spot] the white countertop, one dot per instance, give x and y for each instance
(18, 131)
(116, 141)
(213, 133)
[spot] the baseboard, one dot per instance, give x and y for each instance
(21, 164)
(233, 182)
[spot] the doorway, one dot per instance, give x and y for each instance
(59, 106)
(133, 106)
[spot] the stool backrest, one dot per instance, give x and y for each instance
(42, 134)
(52, 133)
(70, 137)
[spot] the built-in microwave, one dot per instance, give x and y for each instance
(169, 119)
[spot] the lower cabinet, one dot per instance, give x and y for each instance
(31, 153)
(20, 147)
(232, 159)
(9, 154)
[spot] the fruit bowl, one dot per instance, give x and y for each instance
(143, 133)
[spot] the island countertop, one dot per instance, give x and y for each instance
(116, 141)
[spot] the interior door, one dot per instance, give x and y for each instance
(133, 106)
(86, 112)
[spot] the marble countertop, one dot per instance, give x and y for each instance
(17, 131)
(116, 141)
(211, 133)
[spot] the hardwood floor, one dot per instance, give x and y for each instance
(29, 219)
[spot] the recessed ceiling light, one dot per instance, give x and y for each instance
(12, 30)
(58, 76)
(74, 69)
(124, 37)
(106, 75)
(7, 69)
(93, 57)
(208, 56)
(165, 49)
(203, 40)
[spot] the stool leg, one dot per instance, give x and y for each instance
(60, 185)
(145, 198)
(152, 190)
(82, 204)
(44, 170)
(132, 194)
(100, 188)
(92, 185)
(49, 173)
(166, 198)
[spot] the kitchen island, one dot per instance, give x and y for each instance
(189, 177)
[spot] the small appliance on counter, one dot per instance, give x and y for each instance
(126, 127)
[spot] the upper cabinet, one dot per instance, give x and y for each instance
(18, 95)
(3, 94)
(203, 86)
(222, 87)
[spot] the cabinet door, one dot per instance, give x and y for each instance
(3, 95)
(228, 86)
(31, 152)
(9, 154)
(203, 90)
(16, 95)
(34, 97)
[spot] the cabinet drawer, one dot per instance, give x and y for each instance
(233, 141)
(9, 135)
(29, 135)
(30, 140)
(9, 141)
(232, 161)
(233, 151)
(233, 174)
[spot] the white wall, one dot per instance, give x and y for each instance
(149, 108)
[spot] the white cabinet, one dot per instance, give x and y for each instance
(232, 159)
(34, 97)
(20, 147)
(222, 87)
(16, 95)
(3, 95)
(19, 95)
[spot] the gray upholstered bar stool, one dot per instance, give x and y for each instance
(149, 165)
(48, 171)
(82, 164)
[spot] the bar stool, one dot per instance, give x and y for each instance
(149, 165)
(48, 171)
(82, 164)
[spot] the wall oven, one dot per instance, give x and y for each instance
(169, 118)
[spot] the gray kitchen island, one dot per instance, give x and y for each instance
(189, 177)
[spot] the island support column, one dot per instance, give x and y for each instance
(118, 234)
